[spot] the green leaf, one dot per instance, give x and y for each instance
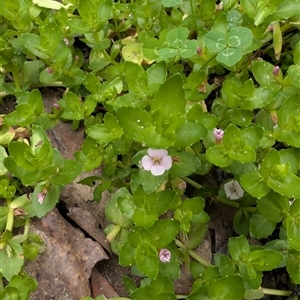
(176, 36)
(22, 155)
(128, 284)
(171, 3)
(218, 155)
(254, 184)
(12, 259)
(151, 183)
(51, 36)
(189, 133)
(252, 135)
(250, 275)
(32, 43)
(240, 37)
(263, 73)
(221, 289)
(291, 156)
(185, 164)
(265, 260)
(157, 74)
(286, 9)
(31, 71)
(3, 154)
(146, 257)
(250, 7)
(137, 124)
(293, 266)
(229, 56)
(164, 201)
(144, 292)
(240, 116)
(226, 266)
(49, 201)
(188, 48)
(260, 227)
(163, 232)
(238, 247)
(254, 294)
(292, 228)
(172, 268)
(215, 40)
(274, 207)
(126, 255)
(170, 98)
(136, 77)
(263, 11)
(241, 222)
(288, 119)
(19, 283)
(240, 151)
(104, 134)
(284, 184)
(270, 160)
(66, 172)
(196, 234)
(112, 211)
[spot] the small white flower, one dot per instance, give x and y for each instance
(158, 161)
(233, 190)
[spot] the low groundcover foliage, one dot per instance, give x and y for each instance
(184, 87)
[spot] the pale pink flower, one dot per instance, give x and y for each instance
(158, 161)
(218, 134)
(164, 255)
(49, 70)
(276, 71)
(41, 197)
(233, 190)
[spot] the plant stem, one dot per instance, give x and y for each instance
(193, 13)
(219, 199)
(1, 282)
(26, 226)
(50, 84)
(193, 254)
(10, 216)
(192, 182)
(16, 80)
(276, 292)
(111, 236)
(109, 58)
(181, 296)
(234, 204)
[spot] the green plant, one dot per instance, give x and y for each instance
(153, 68)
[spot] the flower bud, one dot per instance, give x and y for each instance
(164, 255)
(218, 134)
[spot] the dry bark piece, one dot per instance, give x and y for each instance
(86, 220)
(63, 271)
(100, 286)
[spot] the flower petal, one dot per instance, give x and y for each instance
(238, 190)
(147, 162)
(157, 170)
(164, 255)
(166, 162)
(157, 153)
(233, 190)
